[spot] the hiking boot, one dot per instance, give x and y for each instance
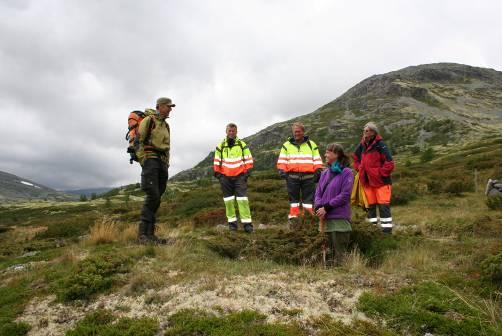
(232, 226)
(156, 240)
(248, 228)
(387, 231)
(143, 240)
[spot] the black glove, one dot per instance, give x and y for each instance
(283, 174)
(317, 175)
(248, 173)
(217, 175)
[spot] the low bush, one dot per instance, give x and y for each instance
(92, 275)
(494, 203)
(14, 329)
(403, 192)
(103, 323)
(491, 268)
(427, 308)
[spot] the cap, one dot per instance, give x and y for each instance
(164, 100)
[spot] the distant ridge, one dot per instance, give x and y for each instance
(418, 106)
(13, 188)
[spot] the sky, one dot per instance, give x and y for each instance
(71, 71)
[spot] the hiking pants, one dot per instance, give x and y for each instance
(154, 176)
(234, 188)
(379, 198)
(338, 243)
(301, 189)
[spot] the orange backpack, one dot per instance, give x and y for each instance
(132, 135)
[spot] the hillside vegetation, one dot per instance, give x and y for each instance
(75, 269)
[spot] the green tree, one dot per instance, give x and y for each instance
(427, 155)
(83, 198)
(94, 196)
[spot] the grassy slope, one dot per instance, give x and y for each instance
(435, 260)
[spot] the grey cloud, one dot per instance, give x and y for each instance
(70, 71)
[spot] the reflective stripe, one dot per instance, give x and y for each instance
(298, 161)
(372, 220)
(386, 225)
(232, 160)
(245, 220)
(235, 165)
(230, 198)
(233, 219)
(294, 205)
(386, 219)
(297, 156)
(292, 216)
(241, 198)
(307, 206)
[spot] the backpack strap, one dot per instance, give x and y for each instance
(151, 126)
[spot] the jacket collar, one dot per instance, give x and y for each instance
(292, 140)
(237, 141)
(371, 144)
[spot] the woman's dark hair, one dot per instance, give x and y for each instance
(338, 150)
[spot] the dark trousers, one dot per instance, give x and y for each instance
(234, 185)
(338, 243)
(300, 190)
(154, 177)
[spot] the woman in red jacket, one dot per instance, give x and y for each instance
(373, 161)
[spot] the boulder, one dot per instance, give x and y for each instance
(493, 188)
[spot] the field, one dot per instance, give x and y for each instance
(74, 268)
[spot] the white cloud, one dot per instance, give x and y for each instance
(70, 71)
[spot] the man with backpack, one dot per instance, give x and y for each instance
(232, 165)
(300, 164)
(153, 155)
(373, 161)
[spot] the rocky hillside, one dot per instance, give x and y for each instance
(418, 106)
(13, 187)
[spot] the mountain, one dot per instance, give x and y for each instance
(13, 187)
(415, 107)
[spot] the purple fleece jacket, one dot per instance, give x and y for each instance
(336, 197)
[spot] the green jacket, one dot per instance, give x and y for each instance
(154, 139)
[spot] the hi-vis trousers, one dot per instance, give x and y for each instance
(234, 188)
(379, 197)
(301, 189)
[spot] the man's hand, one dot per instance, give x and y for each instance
(283, 174)
(217, 175)
(317, 175)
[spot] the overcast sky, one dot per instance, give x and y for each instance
(71, 71)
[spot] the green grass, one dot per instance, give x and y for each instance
(428, 307)
(194, 322)
(13, 297)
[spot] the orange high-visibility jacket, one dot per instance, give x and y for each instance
(303, 158)
(232, 161)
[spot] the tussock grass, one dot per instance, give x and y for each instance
(105, 230)
(355, 262)
(129, 233)
(411, 260)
